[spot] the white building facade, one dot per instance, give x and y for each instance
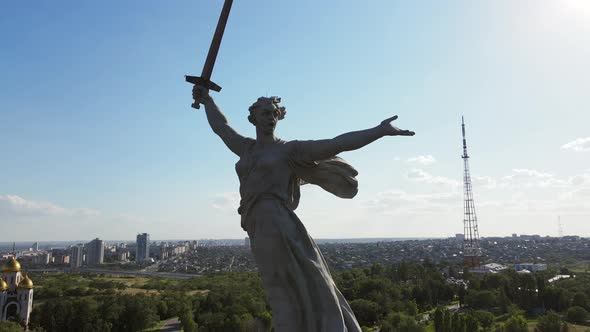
(16, 294)
(76, 258)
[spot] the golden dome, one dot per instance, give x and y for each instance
(26, 282)
(12, 266)
(3, 285)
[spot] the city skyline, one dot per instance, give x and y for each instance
(99, 139)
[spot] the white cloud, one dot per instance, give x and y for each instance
(15, 206)
(487, 182)
(578, 145)
(529, 178)
(524, 172)
(580, 180)
(422, 160)
(420, 175)
(228, 201)
(400, 202)
(526, 191)
(533, 192)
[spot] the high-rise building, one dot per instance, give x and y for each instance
(143, 248)
(36, 246)
(76, 257)
(95, 252)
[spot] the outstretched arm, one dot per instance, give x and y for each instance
(217, 120)
(323, 149)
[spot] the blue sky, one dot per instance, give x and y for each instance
(97, 137)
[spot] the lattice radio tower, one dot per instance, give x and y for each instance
(471, 249)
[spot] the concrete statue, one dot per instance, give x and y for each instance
(296, 278)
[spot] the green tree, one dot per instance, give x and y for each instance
(400, 322)
(187, 320)
(551, 322)
(471, 323)
(581, 300)
(9, 326)
(139, 313)
(447, 321)
(516, 324)
(438, 319)
(577, 315)
(461, 294)
(555, 298)
(456, 323)
(54, 315)
(85, 315)
(484, 299)
(459, 324)
(367, 312)
(485, 319)
(162, 309)
(37, 329)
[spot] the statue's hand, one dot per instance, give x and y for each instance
(200, 94)
(390, 130)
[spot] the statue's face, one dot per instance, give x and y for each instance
(266, 118)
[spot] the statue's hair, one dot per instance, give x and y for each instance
(263, 101)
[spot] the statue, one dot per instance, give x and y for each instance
(296, 278)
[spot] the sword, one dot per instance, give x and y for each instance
(205, 78)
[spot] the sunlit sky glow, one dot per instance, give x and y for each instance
(97, 137)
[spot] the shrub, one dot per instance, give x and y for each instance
(577, 315)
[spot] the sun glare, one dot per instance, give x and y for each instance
(579, 6)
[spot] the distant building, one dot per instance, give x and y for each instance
(457, 282)
(143, 248)
(159, 252)
(16, 294)
(38, 258)
(488, 268)
(460, 237)
(178, 250)
(571, 238)
(247, 242)
(514, 235)
(46, 258)
(64, 259)
(36, 246)
(35, 257)
(95, 252)
(534, 237)
(532, 267)
(123, 255)
(559, 277)
(76, 257)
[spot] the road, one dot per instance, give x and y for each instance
(170, 325)
(120, 272)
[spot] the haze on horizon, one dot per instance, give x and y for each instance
(98, 139)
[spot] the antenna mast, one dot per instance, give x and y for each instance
(471, 248)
